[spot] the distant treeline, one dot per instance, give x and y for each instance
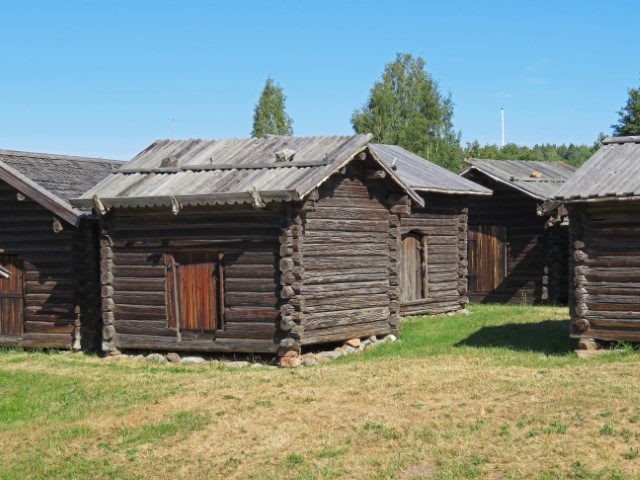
(572, 154)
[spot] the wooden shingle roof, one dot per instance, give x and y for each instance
(613, 172)
(51, 180)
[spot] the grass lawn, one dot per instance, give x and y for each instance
(498, 394)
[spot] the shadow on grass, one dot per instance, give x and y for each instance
(550, 337)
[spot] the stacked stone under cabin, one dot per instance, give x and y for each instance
(262, 245)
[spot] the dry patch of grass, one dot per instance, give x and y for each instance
(451, 400)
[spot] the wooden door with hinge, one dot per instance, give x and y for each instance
(414, 281)
(11, 296)
(487, 257)
(195, 291)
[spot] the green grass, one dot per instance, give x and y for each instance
(460, 397)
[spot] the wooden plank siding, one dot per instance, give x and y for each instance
(58, 270)
(137, 250)
(535, 264)
(346, 262)
(443, 225)
(605, 283)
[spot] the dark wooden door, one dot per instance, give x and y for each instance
(11, 296)
(195, 288)
(413, 268)
(487, 257)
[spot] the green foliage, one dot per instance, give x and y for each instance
(269, 116)
(406, 108)
(629, 121)
(572, 154)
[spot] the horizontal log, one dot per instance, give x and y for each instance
(144, 327)
(336, 334)
(381, 226)
(346, 288)
(359, 249)
(49, 340)
(334, 319)
(60, 327)
(132, 285)
(141, 298)
(370, 274)
(149, 342)
(142, 312)
(343, 263)
(331, 295)
(248, 330)
(149, 271)
(251, 314)
(337, 305)
(323, 238)
(347, 213)
(251, 299)
(430, 308)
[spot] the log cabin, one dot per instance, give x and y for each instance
(250, 245)
(433, 237)
(515, 254)
(49, 279)
(603, 200)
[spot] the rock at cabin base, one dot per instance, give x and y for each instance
(192, 360)
(155, 357)
(114, 353)
(290, 362)
(310, 361)
(353, 342)
(287, 353)
(173, 357)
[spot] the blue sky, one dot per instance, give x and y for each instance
(106, 78)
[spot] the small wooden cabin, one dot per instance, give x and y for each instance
(49, 285)
(516, 255)
(433, 250)
(603, 199)
(250, 245)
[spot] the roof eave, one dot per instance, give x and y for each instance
(503, 182)
(486, 192)
(40, 195)
(266, 196)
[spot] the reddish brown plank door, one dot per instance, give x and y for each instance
(11, 296)
(198, 291)
(413, 268)
(487, 257)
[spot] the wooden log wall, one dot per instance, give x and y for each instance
(444, 222)
(527, 253)
(54, 283)
(605, 278)
(134, 273)
(347, 273)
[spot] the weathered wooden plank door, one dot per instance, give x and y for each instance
(195, 287)
(413, 268)
(487, 257)
(11, 296)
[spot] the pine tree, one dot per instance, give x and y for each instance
(629, 121)
(406, 108)
(270, 117)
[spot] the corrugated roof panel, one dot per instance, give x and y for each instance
(423, 175)
(537, 179)
(613, 171)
